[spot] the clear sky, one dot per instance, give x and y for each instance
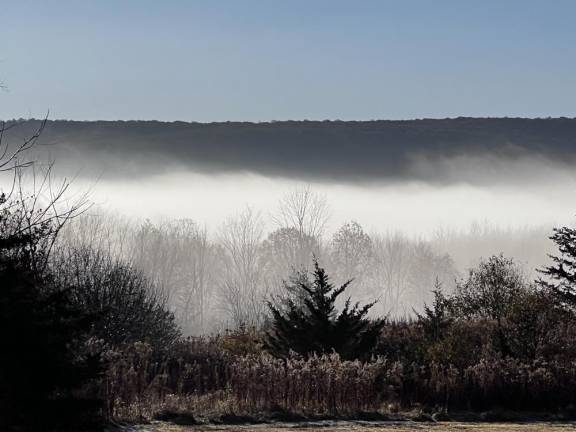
(278, 59)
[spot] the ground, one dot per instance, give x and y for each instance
(364, 427)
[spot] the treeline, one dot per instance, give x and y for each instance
(346, 150)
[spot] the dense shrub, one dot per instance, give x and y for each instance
(494, 310)
(129, 308)
(490, 293)
(403, 341)
(538, 327)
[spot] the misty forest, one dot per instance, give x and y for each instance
(269, 315)
(273, 216)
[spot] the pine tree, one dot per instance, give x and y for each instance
(562, 274)
(313, 325)
(436, 319)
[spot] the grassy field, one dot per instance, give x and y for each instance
(366, 427)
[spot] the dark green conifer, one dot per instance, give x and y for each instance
(314, 325)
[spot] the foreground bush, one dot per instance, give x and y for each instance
(44, 363)
(127, 307)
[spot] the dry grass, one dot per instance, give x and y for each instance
(208, 385)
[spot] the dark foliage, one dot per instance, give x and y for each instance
(41, 330)
(490, 290)
(489, 293)
(537, 327)
(128, 307)
(347, 150)
(313, 325)
(402, 341)
(437, 319)
(493, 312)
(562, 273)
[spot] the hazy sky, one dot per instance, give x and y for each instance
(264, 60)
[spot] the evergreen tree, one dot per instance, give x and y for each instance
(437, 318)
(562, 273)
(313, 324)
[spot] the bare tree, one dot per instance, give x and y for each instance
(304, 210)
(405, 271)
(286, 251)
(105, 231)
(195, 260)
(17, 156)
(242, 289)
(175, 254)
(179, 258)
(351, 252)
(35, 205)
(152, 252)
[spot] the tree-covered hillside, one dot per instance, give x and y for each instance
(316, 150)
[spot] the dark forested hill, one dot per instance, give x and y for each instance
(347, 150)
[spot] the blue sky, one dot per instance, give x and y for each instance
(276, 60)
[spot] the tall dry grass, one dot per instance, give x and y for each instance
(202, 379)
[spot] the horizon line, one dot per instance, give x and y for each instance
(21, 119)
